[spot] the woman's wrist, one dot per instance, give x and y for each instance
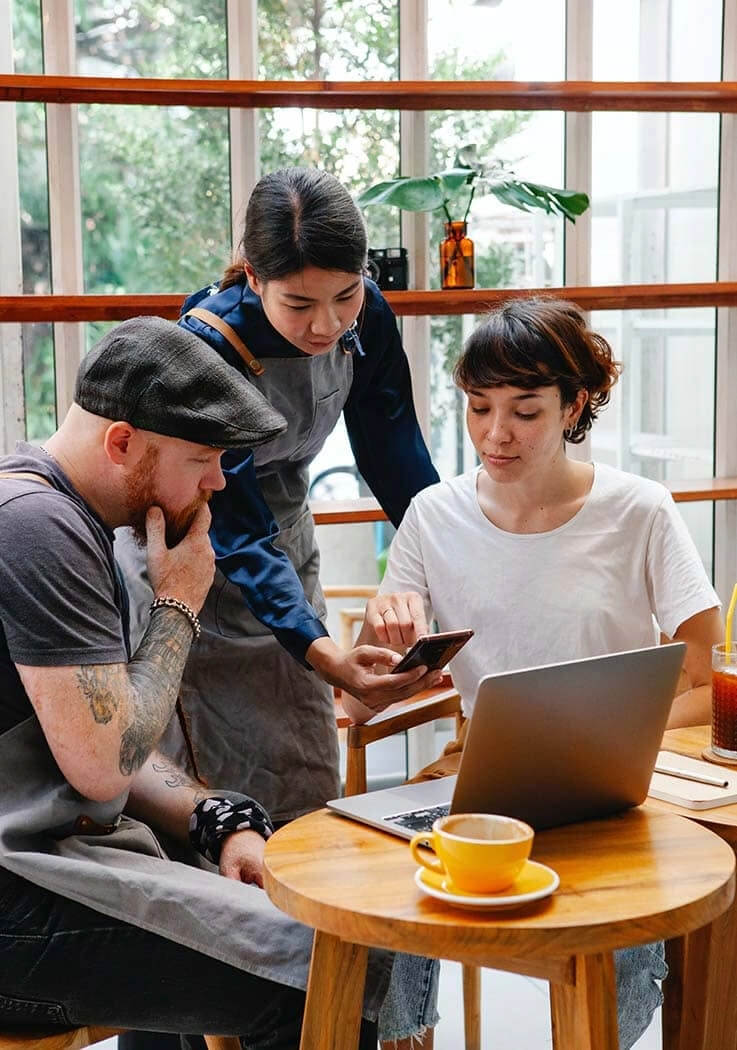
(325, 657)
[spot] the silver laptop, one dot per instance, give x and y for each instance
(550, 745)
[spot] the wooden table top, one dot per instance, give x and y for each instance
(632, 878)
(691, 742)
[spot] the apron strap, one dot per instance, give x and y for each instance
(230, 335)
(26, 477)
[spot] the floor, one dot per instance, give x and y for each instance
(516, 1014)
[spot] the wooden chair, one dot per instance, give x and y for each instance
(78, 1038)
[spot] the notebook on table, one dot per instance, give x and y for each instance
(549, 745)
(687, 793)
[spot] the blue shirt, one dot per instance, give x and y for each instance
(389, 449)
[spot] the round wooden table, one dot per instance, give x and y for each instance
(715, 1025)
(634, 878)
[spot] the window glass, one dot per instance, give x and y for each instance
(660, 421)
(512, 248)
(27, 46)
(657, 40)
(655, 183)
(39, 380)
(155, 180)
(37, 339)
(333, 40)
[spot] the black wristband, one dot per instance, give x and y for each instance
(216, 817)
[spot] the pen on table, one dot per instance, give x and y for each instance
(697, 778)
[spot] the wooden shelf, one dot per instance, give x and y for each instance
(694, 490)
(567, 96)
(344, 512)
(44, 309)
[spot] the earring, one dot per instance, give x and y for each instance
(568, 433)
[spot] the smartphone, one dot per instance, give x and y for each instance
(433, 650)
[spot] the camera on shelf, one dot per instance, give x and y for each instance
(389, 267)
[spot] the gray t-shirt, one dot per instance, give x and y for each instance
(62, 600)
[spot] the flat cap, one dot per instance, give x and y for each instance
(157, 376)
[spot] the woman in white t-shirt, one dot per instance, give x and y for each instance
(547, 558)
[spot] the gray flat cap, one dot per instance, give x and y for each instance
(157, 376)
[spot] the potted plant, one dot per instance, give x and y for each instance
(453, 191)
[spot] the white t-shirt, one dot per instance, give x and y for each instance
(621, 568)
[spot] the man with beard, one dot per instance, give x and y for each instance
(97, 925)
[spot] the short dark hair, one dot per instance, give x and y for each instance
(299, 217)
(541, 342)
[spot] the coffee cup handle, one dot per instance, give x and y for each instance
(433, 863)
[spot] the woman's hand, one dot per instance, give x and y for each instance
(394, 619)
(242, 857)
(692, 705)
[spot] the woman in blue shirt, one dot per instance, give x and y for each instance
(296, 316)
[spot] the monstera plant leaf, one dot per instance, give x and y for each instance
(519, 193)
(440, 190)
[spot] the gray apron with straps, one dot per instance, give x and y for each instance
(125, 874)
(260, 722)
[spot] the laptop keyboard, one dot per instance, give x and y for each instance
(419, 819)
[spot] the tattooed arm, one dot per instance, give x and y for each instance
(163, 795)
(102, 721)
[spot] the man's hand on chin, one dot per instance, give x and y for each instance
(242, 857)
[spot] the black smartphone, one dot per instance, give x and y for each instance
(433, 650)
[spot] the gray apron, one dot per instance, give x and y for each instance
(260, 722)
(126, 874)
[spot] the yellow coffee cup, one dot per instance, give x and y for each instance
(475, 852)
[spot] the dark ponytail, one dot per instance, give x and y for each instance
(299, 217)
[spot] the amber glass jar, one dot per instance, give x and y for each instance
(456, 257)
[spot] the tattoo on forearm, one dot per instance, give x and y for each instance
(154, 674)
(175, 777)
(100, 685)
(172, 775)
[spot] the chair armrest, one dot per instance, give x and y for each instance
(396, 719)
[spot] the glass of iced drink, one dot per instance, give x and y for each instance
(724, 700)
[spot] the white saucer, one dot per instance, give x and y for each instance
(534, 882)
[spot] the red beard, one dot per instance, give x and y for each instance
(141, 494)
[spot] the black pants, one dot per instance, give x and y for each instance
(62, 964)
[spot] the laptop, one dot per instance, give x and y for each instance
(550, 745)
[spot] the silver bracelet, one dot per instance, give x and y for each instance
(182, 607)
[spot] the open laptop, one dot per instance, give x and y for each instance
(550, 745)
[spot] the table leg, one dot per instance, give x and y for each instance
(472, 1006)
(334, 994)
(584, 1014)
(709, 1011)
(675, 957)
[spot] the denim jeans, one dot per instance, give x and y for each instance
(65, 965)
(638, 971)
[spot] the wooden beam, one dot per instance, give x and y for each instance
(343, 512)
(569, 96)
(694, 490)
(44, 308)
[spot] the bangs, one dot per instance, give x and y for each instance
(498, 355)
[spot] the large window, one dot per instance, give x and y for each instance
(155, 195)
